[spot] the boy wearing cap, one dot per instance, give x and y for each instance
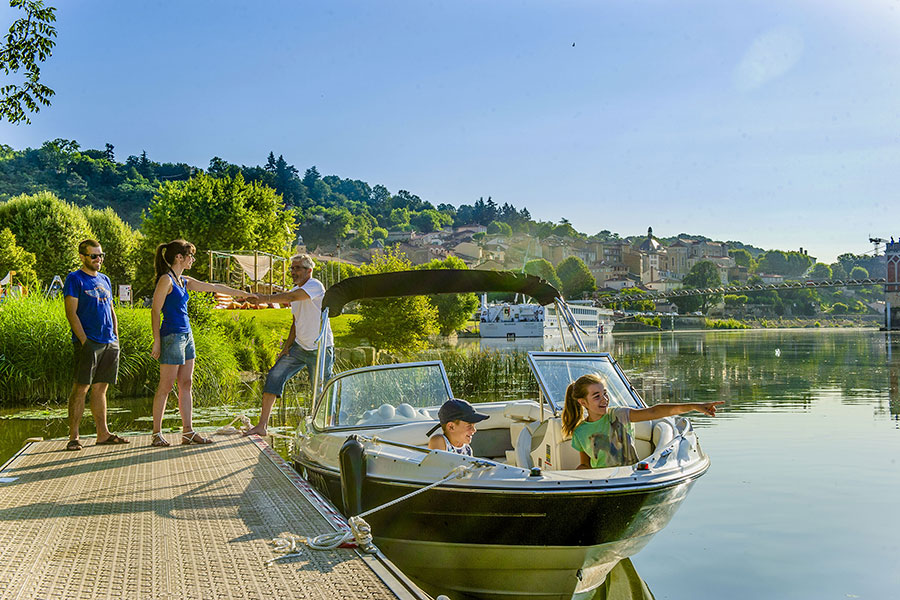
(457, 421)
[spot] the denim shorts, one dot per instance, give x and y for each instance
(177, 348)
(291, 363)
(96, 362)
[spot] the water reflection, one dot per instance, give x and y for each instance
(892, 348)
(623, 583)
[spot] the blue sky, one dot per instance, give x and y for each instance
(776, 123)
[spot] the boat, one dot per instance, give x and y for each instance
(518, 320)
(516, 519)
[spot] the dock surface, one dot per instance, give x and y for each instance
(184, 522)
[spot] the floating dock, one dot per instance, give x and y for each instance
(184, 522)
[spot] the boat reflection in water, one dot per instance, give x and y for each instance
(623, 583)
(517, 519)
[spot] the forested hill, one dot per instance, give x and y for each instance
(328, 208)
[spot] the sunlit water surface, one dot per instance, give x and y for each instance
(801, 501)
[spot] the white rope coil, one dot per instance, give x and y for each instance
(229, 430)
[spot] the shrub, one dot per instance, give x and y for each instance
(48, 227)
(15, 258)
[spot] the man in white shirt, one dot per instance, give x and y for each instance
(299, 349)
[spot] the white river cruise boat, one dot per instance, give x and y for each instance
(507, 320)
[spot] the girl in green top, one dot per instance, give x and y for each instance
(605, 438)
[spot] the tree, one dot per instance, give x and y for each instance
(28, 43)
(454, 310)
(788, 264)
(119, 241)
(214, 214)
(395, 323)
(48, 227)
(820, 272)
(15, 258)
(543, 268)
(858, 273)
(426, 221)
(323, 225)
(735, 301)
(702, 275)
(742, 258)
(497, 227)
(576, 278)
(839, 308)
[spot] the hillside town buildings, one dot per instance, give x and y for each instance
(614, 263)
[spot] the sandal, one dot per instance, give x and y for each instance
(159, 441)
(74, 445)
(112, 439)
(192, 437)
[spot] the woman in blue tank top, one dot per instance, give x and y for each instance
(173, 342)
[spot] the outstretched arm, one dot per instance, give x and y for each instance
(283, 297)
(196, 285)
(670, 410)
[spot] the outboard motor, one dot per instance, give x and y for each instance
(352, 461)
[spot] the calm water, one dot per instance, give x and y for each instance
(803, 496)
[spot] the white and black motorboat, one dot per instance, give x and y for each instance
(516, 520)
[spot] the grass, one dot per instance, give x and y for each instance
(278, 322)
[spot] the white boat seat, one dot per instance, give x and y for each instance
(414, 434)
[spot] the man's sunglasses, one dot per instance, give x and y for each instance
(94, 256)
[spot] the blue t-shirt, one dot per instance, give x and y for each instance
(174, 310)
(94, 294)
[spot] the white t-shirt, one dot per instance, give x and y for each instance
(308, 316)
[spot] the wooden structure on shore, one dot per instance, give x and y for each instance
(132, 521)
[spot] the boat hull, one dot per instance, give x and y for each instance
(503, 543)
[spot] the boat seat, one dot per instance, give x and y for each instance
(414, 434)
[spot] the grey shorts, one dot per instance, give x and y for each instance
(176, 348)
(96, 362)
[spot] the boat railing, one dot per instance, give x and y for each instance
(565, 313)
(318, 383)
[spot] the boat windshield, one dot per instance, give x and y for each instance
(556, 370)
(379, 396)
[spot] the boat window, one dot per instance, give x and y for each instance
(381, 396)
(556, 371)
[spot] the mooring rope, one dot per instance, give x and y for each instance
(360, 533)
(229, 430)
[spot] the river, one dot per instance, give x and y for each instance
(801, 500)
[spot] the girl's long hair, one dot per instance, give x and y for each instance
(166, 253)
(573, 412)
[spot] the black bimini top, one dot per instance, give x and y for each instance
(434, 281)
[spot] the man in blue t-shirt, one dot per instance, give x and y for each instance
(95, 334)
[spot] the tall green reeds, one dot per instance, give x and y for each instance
(36, 350)
(36, 358)
(488, 371)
